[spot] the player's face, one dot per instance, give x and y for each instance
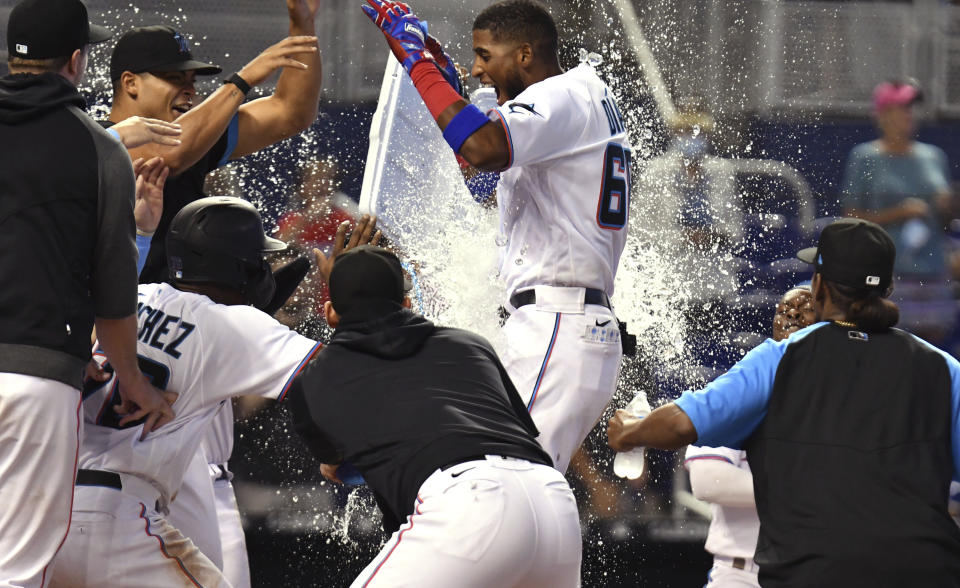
(794, 312)
(496, 64)
(166, 94)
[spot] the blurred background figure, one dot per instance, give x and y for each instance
(904, 186)
(317, 206)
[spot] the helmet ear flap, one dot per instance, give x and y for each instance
(260, 286)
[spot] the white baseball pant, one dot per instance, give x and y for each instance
(194, 511)
(564, 359)
(118, 540)
(725, 575)
(40, 428)
(236, 566)
(496, 522)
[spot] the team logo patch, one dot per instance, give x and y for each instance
(181, 42)
(858, 336)
(524, 107)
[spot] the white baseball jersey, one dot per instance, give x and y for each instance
(733, 530)
(565, 199)
(207, 353)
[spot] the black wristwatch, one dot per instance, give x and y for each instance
(239, 82)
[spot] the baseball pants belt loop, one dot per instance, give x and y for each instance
(590, 296)
(221, 472)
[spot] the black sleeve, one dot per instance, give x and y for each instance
(314, 438)
(114, 270)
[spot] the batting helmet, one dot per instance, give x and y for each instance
(220, 240)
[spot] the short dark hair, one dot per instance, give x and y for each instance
(524, 21)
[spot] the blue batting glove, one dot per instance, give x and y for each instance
(402, 29)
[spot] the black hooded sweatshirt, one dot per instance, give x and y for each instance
(67, 249)
(398, 398)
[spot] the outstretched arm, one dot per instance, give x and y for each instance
(481, 142)
(293, 106)
(668, 427)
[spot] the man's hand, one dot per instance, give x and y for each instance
(446, 64)
(151, 176)
(402, 29)
(617, 428)
(137, 130)
(277, 56)
(363, 234)
(139, 399)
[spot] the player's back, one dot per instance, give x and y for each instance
(206, 353)
(564, 202)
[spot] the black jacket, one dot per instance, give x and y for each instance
(852, 464)
(399, 398)
(67, 249)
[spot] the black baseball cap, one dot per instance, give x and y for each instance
(367, 277)
(44, 29)
(854, 252)
(155, 48)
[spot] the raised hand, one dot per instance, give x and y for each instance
(277, 56)
(365, 233)
(302, 11)
(138, 130)
(151, 177)
(446, 64)
(402, 29)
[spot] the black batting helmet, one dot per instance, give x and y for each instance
(220, 240)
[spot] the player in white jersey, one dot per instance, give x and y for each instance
(563, 196)
(200, 338)
(722, 477)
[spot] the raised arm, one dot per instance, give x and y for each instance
(293, 106)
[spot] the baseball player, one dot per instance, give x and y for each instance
(430, 418)
(721, 476)
(203, 336)
(563, 197)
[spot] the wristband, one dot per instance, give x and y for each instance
(239, 82)
(462, 125)
(435, 90)
(115, 134)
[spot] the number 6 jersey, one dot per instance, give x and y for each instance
(565, 198)
(207, 353)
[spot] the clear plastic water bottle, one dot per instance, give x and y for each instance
(484, 98)
(629, 464)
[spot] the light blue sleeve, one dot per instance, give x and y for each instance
(143, 248)
(731, 407)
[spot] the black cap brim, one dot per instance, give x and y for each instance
(202, 69)
(99, 34)
(808, 255)
(271, 244)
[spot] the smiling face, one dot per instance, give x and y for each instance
(166, 94)
(497, 64)
(794, 312)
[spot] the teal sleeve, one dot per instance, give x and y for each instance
(731, 407)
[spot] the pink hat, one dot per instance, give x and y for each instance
(895, 94)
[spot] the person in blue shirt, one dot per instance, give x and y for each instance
(852, 428)
(904, 186)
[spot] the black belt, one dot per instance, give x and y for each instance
(98, 478)
(590, 296)
(739, 563)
